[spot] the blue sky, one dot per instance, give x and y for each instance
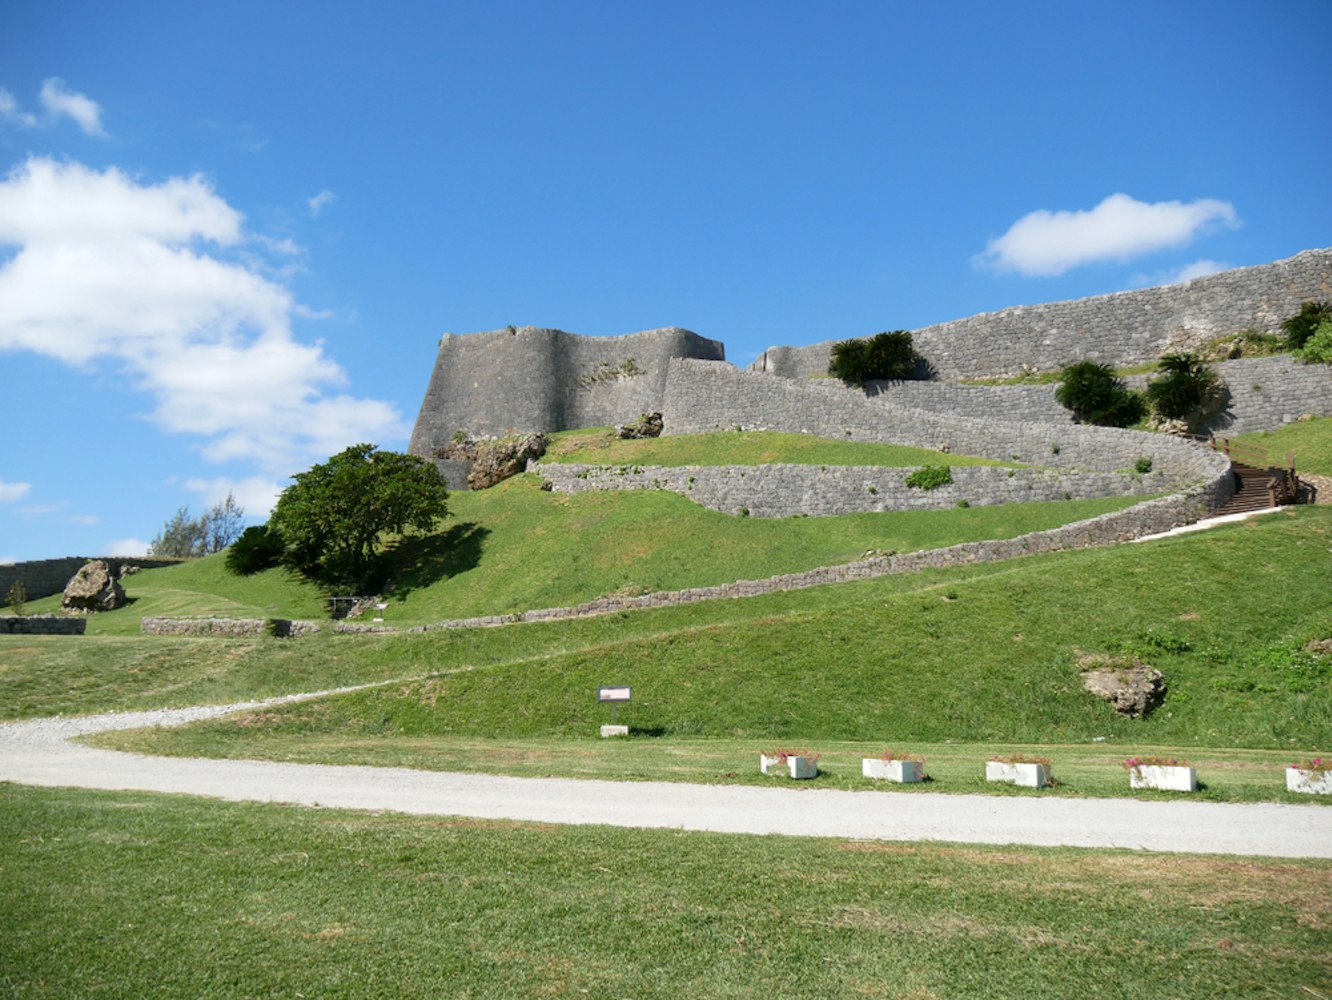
(231, 234)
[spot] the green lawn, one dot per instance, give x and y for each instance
(600, 446)
(131, 895)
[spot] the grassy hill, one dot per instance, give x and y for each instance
(516, 547)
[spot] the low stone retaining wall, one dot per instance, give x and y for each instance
(41, 625)
(1148, 518)
(818, 491)
(281, 627)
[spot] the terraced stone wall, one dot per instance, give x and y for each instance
(817, 491)
(706, 396)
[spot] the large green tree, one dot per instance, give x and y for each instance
(334, 518)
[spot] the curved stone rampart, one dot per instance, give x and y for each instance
(781, 490)
(1120, 329)
(528, 379)
(706, 396)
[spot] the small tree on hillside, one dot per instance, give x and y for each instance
(180, 538)
(333, 517)
(887, 355)
(184, 537)
(17, 597)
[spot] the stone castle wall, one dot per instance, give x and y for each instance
(818, 491)
(705, 396)
(1264, 394)
(1121, 329)
(44, 577)
(532, 379)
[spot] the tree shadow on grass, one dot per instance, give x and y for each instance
(420, 562)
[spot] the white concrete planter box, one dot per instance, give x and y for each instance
(800, 768)
(1308, 782)
(1167, 778)
(905, 771)
(1026, 775)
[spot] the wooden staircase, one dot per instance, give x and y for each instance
(1259, 484)
(1253, 491)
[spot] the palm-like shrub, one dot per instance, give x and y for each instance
(1184, 386)
(887, 355)
(1096, 395)
(1300, 327)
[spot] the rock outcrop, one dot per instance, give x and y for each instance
(1134, 689)
(93, 588)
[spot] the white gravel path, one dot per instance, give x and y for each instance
(40, 752)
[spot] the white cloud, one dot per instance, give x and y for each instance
(7, 560)
(59, 100)
(125, 547)
(12, 492)
(11, 112)
(1179, 275)
(112, 268)
(255, 494)
(86, 519)
(318, 202)
(1120, 227)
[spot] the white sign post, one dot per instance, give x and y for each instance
(614, 695)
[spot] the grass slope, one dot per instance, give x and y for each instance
(600, 446)
(515, 547)
(982, 654)
(1309, 440)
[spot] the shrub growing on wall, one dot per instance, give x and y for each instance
(1302, 326)
(1185, 385)
(929, 477)
(1318, 348)
(1096, 395)
(887, 355)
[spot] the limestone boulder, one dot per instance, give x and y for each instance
(1133, 690)
(93, 588)
(649, 425)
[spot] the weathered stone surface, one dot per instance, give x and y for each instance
(93, 588)
(647, 426)
(1134, 691)
(493, 460)
(229, 627)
